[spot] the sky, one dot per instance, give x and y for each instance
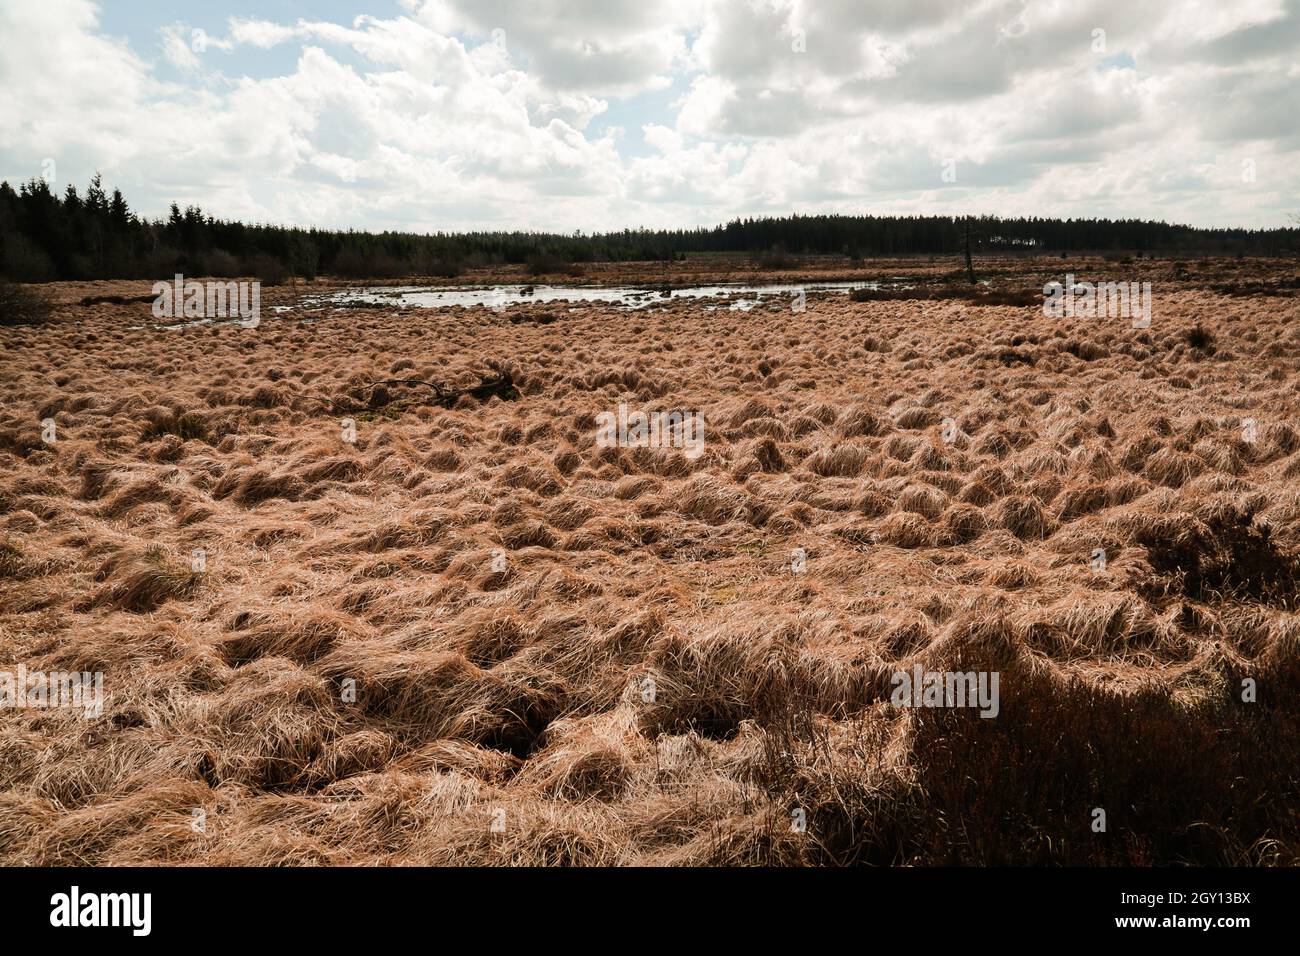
(590, 115)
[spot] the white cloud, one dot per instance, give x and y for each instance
(262, 34)
(452, 114)
(662, 138)
(177, 50)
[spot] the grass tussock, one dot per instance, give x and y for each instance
(467, 632)
(23, 305)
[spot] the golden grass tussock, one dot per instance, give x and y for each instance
(481, 634)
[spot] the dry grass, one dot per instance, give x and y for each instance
(22, 304)
(475, 637)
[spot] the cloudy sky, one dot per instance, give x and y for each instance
(596, 114)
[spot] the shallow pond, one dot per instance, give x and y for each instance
(731, 296)
(632, 297)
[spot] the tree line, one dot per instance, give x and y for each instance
(45, 236)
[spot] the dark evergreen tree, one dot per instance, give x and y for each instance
(43, 236)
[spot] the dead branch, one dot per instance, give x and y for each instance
(500, 385)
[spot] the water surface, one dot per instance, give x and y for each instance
(737, 296)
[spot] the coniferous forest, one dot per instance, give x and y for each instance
(46, 237)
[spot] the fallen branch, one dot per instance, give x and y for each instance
(501, 385)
